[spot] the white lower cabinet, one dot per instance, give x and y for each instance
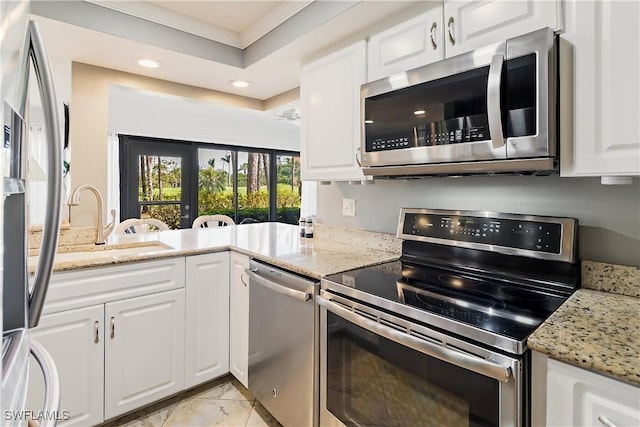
(144, 350)
(75, 340)
(239, 319)
(138, 332)
(578, 397)
(207, 318)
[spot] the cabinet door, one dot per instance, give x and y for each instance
(207, 317)
(577, 397)
(605, 38)
(75, 340)
(413, 43)
(330, 111)
(144, 350)
(471, 24)
(239, 319)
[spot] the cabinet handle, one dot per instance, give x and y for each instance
(96, 331)
(450, 31)
(358, 156)
(113, 327)
(606, 421)
(434, 26)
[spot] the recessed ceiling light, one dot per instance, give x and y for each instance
(368, 121)
(419, 112)
(149, 63)
(239, 83)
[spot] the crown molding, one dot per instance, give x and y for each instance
(151, 12)
(271, 20)
(159, 15)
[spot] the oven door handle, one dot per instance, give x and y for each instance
(494, 110)
(464, 360)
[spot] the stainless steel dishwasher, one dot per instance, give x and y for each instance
(283, 342)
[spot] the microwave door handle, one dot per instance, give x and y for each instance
(494, 109)
(54, 181)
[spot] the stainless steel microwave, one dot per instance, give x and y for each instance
(492, 110)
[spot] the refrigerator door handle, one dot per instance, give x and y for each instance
(54, 183)
(51, 384)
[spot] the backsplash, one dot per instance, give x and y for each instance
(68, 236)
(354, 236)
(609, 230)
(617, 279)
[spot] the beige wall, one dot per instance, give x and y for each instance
(89, 118)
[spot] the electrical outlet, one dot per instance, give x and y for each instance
(349, 207)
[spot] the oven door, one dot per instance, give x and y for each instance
(378, 369)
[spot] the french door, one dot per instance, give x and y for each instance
(156, 181)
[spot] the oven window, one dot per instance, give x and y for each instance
(372, 381)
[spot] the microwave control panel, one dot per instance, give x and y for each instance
(452, 131)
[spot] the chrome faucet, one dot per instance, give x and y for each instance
(102, 231)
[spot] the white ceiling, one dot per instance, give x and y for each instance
(229, 22)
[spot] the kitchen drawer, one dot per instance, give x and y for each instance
(81, 288)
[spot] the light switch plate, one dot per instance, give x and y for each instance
(349, 207)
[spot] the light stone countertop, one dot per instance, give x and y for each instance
(275, 243)
(598, 331)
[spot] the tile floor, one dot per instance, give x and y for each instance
(223, 402)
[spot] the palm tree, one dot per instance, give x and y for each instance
(211, 180)
(226, 160)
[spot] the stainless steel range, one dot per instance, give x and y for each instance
(439, 336)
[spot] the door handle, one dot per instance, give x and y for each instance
(494, 110)
(434, 26)
(96, 332)
(113, 327)
(450, 31)
(276, 287)
(54, 166)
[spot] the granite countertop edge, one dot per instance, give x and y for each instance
(595, 330)
(275, 244)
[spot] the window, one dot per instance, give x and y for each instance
(243, 183)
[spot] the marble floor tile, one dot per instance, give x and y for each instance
(152, 419)
(260, 417)
(230, 390)
(223, 402)
(208, 412)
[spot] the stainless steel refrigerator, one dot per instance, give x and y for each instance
(23, 296)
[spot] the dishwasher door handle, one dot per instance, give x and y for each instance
(276, 287)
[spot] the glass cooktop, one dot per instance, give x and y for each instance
(502, 308)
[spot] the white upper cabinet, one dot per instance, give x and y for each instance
(416, 42)
(606, 92)
(330, 110)
(471, 24)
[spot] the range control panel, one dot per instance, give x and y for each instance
(537, 236)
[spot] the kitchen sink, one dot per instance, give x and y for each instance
(91, 251)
